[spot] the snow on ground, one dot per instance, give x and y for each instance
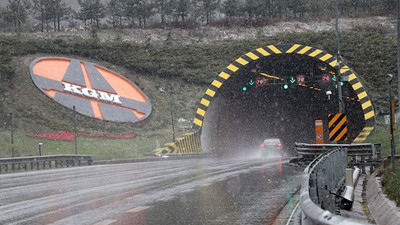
(210, 34)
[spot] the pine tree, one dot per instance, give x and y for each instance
(17, 12)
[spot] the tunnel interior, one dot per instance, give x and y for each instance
(268, 98)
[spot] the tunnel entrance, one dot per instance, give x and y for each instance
(268, 94)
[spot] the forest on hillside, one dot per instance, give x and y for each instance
(58, 15)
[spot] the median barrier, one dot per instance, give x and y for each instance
(360, 154)
(321, 182)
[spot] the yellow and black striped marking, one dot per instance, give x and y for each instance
(364, 134)
(263, 52)
(188, 144)
(337, 127)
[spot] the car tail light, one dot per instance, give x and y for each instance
(262, 145)
(279, 144)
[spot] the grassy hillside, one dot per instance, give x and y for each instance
(183, 70)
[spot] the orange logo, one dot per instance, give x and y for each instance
(94, 90)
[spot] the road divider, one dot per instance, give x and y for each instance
(361, 154)
(320, 185)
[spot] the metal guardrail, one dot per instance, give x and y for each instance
(319, 183)
(361, 154)
(41, 162)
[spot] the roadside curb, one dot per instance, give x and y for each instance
(285, 215)
(383, 210)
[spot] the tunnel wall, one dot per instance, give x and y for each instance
(207, 123)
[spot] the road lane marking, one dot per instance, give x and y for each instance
(187, 190)
(105, 222)
(292, 214)
(205, 185)
(165, 199)
(136, 196)
(138, 209)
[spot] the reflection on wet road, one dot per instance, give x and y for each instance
(194, 191)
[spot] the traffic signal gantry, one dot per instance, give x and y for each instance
(324, 81)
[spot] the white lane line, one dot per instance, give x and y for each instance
(136, 196)
(292, 214)
(138, 209)
(165, 199)
(205, 185)
(105, 222)
(187, 190)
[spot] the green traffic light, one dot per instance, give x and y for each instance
(251, 82)
(341, 83)
(285, 86)
(244, 88)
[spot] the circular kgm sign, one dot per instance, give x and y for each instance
(94, 90)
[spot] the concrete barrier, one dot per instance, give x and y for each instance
(383, 210)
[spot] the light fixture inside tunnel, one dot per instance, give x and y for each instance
(285, 86)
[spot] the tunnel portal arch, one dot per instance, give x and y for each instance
(219, 98)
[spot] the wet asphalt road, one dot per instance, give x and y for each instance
(191, 191)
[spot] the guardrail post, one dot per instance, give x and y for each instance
(349, 177)
(336, 179)
(363, 165)
(378, 151)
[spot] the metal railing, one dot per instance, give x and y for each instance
(320, 182)
(43, 162)
(360, 154)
